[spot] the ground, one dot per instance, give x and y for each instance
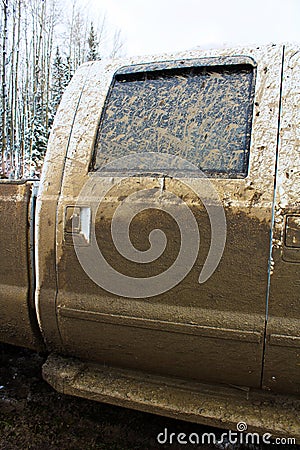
(34, 416)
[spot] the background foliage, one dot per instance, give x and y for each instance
(42, 42)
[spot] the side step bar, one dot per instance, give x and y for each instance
(217, 406)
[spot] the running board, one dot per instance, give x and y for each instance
(217, 406)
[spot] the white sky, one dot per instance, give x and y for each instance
(155, 26)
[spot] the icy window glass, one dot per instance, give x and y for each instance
(202, 114)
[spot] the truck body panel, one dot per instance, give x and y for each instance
(282, 354)
(46, 207)
(233, 333)
(18, 319)
(212, 331)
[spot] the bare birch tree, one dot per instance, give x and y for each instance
(33, 76)
(3, 79)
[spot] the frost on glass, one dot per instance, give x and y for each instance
(200, 114)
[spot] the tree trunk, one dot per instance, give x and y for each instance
(4, 95)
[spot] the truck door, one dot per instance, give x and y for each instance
(217, 111)
(282, 356)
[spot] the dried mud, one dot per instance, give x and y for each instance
(34, 416)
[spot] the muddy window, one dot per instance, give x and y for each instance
(202, 114)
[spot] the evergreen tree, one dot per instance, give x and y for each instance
(33, 76)
(93, 45)
(36, 138)
(57, 80)
(61, 76)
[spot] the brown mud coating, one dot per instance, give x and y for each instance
(205, 332)
(212, 331)
(17, 318)
(34, 416)
(282, 359)
(202, 114)
(225, 327)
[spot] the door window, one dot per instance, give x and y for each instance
(200, 113)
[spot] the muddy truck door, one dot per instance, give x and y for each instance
(164, 215)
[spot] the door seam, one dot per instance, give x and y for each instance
(273, 215)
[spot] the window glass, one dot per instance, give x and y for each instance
(202, 114)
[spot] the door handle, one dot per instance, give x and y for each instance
(78, 222)
(291, 248)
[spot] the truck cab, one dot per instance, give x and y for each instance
(166, 237)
